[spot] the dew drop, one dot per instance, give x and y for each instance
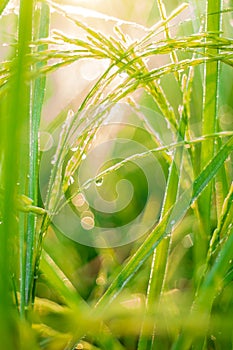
(74, 149)
(87, 185)
(71, 180)
(84, 156)
(180, 109)
(99, 182)
(70, 114)
(54, 160)
(169, 153)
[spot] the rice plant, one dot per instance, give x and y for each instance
(116, 175)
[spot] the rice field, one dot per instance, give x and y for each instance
(116, 175)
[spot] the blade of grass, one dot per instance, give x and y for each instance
(15, 132)
(22, 104)
(64, 288)
(38, 98)
(8, 226)
(69, 295)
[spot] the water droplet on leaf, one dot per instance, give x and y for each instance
(99, 182)
(71, 180)
(74, 149)
(54, 160)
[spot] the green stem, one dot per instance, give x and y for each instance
(209, 125)
(22, 103)
(8, 227)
